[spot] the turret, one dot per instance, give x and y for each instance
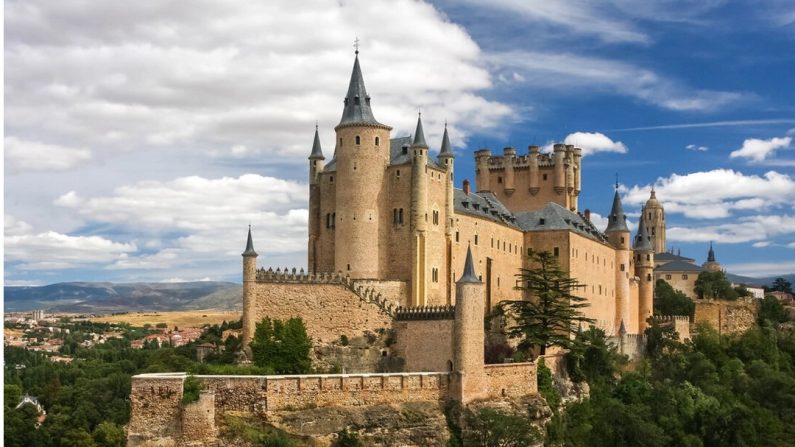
(711, 264)
(619, 236)
(469, 334)
(644, 270)
(655, 219)
(419, 214)
(533, 156)
(447, 159)
(559, 182)
(249, 282)
(577, 174)
(361, 158)
(315, 168)
(482, 177)
(509, 156)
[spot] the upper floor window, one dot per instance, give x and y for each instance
(668, 277)
(377, 140)
(476, 239)
(556, 251)
(358, 140)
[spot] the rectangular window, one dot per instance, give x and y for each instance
(684, 276)
(456, 236)
(556, 251)
(476, 239)
(622, 267)
(668, 277)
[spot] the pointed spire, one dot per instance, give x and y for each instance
(419, 135)
(711, 254)
(469, 275)
(642, 240)
(249, 245)
(357, 101)
(617, 221)
(317, 152)
(447, 149)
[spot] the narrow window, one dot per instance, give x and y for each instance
(498, 281)
(331, 179)
(377, 141)
(394, 216)
(349, 267)
(622, 267)
(333, 220)
(648, 257)
(400, 215)
(545, 177)
(556, 251)
(499, 179)
(476, 239)
(340, 141)
(492, 242)
(398, 173)
(668, 277)
(684, 276)
(648, 277)
(622, 239)
(358, 140)
(456, 236)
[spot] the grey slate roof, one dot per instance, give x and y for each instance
(447, 149)
(679, 266)
(249, 245)
(485, 205)
(665, 256)
(469, 275)
(556, 217)
(419, 134)
(317, 152)
(643, 240)
(617, 219)
(357, 102)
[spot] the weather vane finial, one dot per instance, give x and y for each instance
(356, 44)
(616, 180)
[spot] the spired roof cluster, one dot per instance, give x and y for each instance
(643, 239)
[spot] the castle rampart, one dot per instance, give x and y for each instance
(727, 317)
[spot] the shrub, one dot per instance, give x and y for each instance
(490, 428)
(347, 439)
(191, 388)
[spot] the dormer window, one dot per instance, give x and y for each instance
(541, 221)
(356, 100)
(466, 204)
(405, 150)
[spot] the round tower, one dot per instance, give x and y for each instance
(447, 159)
(644, 270)
(482, 176)
(655, 220)
(468, 334)
(249, 284)
(619, 237)
(315, 168)
(533, 156)
(509, 157)
(419, 215)
(559, 181)
(362, 157)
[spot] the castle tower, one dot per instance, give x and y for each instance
(655, 221)
(468, 333)
(533, 162)
(619, 236)
(447, 159)
(315, 168)
(419, 215)
(362, 155)
(712, 265)
(482, 175)
(577, 174)
(509, 159)
(644, 270)
(559, 177)
(249, 282)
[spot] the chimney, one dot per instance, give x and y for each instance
(588, 215)
(466, 186)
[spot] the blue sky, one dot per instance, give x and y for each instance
(142, 139)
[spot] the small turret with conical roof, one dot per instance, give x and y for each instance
(617, 231)
(643, 240)
(644, 270)
(469, 334)
(712, 264)
(419, 134)
(249, 251)
(315, 170)
(249, 282)
(357, 102)
(317, 152)
(419, 213)
(446, 150)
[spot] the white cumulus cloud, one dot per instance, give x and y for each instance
(593, 142)
(35, 156)
(758, 150)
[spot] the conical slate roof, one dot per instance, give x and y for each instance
(419, 135)
(642, 240)
(249, 245)
(447, 149)
(357, 102)
(711, 254)
(469, 275)
(617, 219)
(317, 152)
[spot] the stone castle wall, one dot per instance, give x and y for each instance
(330, 305)
(727, 317)
(198, 421)
(156, 407)
(680, 323)
(511, 379)
(425, 344)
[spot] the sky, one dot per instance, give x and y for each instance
(142, 138)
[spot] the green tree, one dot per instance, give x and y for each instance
(346, 438)
(771, 309)
(781, 285)
(552, 314)
(191, 389)
(77, 437)
(108, 434)
(283, 346)
(669, 301)
(714, 285)
(491, 428)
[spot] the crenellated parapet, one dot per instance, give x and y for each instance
(367, 294)
(671, 318)
(425, 313)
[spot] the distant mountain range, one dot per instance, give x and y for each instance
(105, 297)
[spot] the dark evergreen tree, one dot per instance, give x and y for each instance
(714, 285)
(552, 314)
(669, 301)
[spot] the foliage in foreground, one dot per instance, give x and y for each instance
(668, 301)
(713, 391)
(491, 428)
(282, 346)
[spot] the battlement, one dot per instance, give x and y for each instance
(671, 318)
(367, 294)
(425, 313)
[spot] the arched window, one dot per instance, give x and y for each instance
(377, 140)
(358, 140)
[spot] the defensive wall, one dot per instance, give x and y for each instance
(680, 324)
(159, 418)
(727, 317)
(330, 304)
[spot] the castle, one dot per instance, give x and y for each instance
(385, 215)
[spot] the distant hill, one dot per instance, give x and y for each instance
(767, 281)
(105, 297)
